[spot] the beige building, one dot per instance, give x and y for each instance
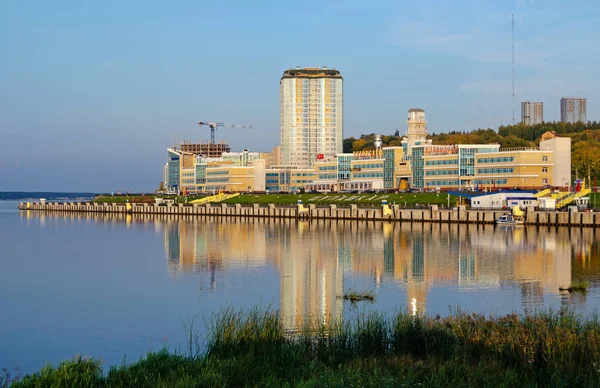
(561, 149)
(311, 115)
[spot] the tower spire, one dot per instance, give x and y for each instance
(513, 68)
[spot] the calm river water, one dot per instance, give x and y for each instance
(116, 286)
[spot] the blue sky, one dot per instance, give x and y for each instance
(92, 92)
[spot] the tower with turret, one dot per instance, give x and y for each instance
(416, 133)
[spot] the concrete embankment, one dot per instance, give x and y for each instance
(353, 212)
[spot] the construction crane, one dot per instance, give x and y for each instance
(215, 125)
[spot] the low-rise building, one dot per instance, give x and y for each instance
(427, 167)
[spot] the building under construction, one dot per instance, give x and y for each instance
(208, 150)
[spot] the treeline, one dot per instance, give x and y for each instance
(585, 141)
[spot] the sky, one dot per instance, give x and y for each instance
(93, 92)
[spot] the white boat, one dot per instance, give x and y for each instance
(509, 220)
(513, 219)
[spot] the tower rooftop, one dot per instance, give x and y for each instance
(311, 72)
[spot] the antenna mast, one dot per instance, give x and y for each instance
(513, 69)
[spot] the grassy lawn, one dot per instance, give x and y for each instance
(252, 348)
(402, 199)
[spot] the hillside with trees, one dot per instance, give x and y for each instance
(585, 144)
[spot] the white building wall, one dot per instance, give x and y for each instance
(561, 149)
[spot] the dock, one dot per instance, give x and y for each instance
(390, 213)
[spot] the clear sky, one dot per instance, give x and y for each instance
(93, 92)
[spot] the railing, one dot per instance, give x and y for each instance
(512, 149)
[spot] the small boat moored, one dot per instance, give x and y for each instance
(513, 219)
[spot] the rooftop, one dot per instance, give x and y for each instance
(311, 72)
(416, 110)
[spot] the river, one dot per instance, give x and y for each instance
(115, 286)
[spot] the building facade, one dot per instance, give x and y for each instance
(532, 112)
(311, 115)
(430, 167)
(561, 150)
(573, 110)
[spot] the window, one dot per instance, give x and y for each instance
(544, 169)
(544, 158)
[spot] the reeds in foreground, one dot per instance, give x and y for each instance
(252, 347)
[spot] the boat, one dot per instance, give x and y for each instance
(513, 219)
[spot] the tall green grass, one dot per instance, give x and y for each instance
(252, 347)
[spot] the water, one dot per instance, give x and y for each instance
(117, 286)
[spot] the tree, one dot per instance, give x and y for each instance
(347, 144)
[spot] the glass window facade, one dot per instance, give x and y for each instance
(388, 168)
(344, 167)
(173, 169)
(500, 159)
(441, 172)
(496, 170)
(466, 158)
(417, 167)
(200, 174)
(443, 162)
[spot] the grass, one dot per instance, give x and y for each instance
(576, 286)
(402, 199)
(252, 347)
(354, 296)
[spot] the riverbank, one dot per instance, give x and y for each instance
(252, 347)
(431, 214)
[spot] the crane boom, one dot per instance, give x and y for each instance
(214, 125)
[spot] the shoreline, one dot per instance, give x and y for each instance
(384, 213)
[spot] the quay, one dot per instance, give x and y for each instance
(393, 213)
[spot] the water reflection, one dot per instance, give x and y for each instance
(316, 260)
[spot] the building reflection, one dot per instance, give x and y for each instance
(312, 258)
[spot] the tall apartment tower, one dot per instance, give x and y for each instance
(416, 132)
(311, 115)
(573, 110)
(532, 112)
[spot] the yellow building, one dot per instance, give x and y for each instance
(236, 178)
(484, 167)
(523, 168)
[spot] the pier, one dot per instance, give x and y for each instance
(390, 213)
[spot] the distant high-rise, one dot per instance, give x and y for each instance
(532, 112)
(311, 114)
(573, 110)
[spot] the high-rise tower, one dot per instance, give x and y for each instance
(532, 112)
(573, 110)
(311, 114)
